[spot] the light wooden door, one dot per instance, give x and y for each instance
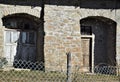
(20, 45)
(11, 42)
(86, 53)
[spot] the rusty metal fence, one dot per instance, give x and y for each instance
(26, 71)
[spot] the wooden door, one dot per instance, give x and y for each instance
(11, 42)
(86, 53)
(20, 45)
(28, 46)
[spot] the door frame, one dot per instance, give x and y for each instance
(92, 37)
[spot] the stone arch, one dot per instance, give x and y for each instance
(8, 11)
(23, 15)
(20, 9)
(103, 37)
(99, 13)
(103, 19)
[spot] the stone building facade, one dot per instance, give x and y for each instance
(89, 29)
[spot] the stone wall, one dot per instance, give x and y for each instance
(62, 34)
(62, 27)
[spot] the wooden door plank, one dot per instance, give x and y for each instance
(32, 54)
(85, 44)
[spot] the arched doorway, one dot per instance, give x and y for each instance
(98, 42)
(21, 38)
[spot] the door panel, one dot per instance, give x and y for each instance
(7, 37)
(28, 46)
(7, 53)
(14, 36)
(25, 53)
(23, 37)
(13, 52)
(32, 54)
(86, 53)
(9, 49)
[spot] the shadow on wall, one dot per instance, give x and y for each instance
(91, 4)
